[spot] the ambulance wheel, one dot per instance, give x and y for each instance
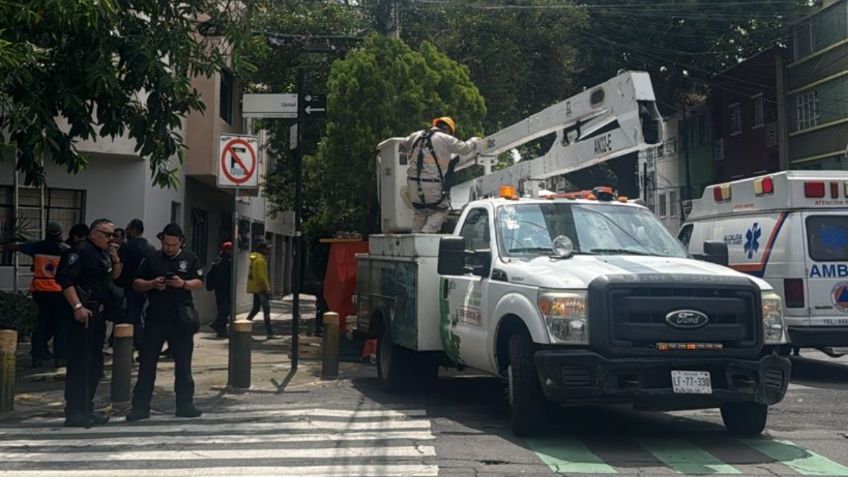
(744, 418)
(394, 362)
(526, 400)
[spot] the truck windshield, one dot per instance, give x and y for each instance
(827, 237)
(603, 229)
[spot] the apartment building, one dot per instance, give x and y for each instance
(117, 185)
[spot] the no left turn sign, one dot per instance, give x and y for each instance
(238, 161)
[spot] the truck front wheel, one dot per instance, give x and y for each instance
(526, 400)
(744, 418)
(394, 363)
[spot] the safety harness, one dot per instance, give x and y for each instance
(426, 140)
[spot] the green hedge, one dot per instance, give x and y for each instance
(17, 312)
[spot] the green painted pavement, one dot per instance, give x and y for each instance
(684, 457)
(801, 460)
(568, 455)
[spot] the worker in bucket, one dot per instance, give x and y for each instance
(430, 155)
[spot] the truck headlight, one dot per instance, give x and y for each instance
(566, 316)
(774, 331)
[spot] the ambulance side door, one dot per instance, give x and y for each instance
(826, 236)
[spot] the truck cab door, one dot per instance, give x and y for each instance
(463, 320)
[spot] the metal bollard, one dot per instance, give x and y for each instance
(122, 356)
(8, 346)
(330, 346)
(239, 366)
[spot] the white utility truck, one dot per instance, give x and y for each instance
(791, 229)
(571, 300)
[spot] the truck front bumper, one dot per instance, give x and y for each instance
(580, 377)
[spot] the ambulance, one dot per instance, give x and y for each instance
(791, 229)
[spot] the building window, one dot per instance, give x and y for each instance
(718, 150)
(63, 206)
(661, 205)
(803, 39)
(735, 119)
(806, 110)
(225, 99)
(771, 134)
(758, 110)
(672, 203)
(670, 146)
(200, 234)
(176, 208)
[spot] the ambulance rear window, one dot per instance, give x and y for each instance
(827, 237)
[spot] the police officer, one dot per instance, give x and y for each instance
(132, 253)
(168, 276)
(85, 274)
(47, 295)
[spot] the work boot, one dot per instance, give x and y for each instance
(59, 363)
(188, 410)
(99, 419)
(78, 420)
(137, 414)
(37, 363)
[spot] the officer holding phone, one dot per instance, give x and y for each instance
(168, 276)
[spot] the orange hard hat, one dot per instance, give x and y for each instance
(447, 121)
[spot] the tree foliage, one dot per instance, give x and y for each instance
(83, 69)
(385, 89)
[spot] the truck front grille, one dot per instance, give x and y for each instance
(638, 316)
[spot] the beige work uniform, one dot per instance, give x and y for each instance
(429, 219)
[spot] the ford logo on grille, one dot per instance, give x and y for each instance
(686, 319)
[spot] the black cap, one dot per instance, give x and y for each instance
(172, 230)
(54, 230)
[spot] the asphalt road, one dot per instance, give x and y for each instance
(457, 428)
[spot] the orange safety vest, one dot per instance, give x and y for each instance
(44, 269)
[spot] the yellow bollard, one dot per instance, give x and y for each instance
(8, 346)
(330, 346)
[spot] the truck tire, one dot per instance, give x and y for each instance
(394, 363)
(744, 418)
(526, 400)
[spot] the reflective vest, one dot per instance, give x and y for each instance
(44, 274)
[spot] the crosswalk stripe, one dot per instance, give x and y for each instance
(568, 456)
(330, 413)
(684, 457)
(228, 427)
(222, 454)
(120, 441)
(803, 461)
(347, 470)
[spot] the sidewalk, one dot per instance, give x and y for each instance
(40, 392)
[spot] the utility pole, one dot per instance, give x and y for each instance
(685, 137)
(297, 243)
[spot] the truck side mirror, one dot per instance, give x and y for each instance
(716, 252)
(451, 256)
(480, 263)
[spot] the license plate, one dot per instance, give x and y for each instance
(691, 382)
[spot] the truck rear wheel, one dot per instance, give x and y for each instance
(526, 400)
(394, 362)
(744, 418)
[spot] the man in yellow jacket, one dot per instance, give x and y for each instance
(259, 285)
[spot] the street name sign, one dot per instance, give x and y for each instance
(269, 106)
(238, 161)
(313, 106)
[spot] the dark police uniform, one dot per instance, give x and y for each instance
(88, 269)
(165, 321)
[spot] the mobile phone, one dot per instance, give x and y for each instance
(170, 275)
